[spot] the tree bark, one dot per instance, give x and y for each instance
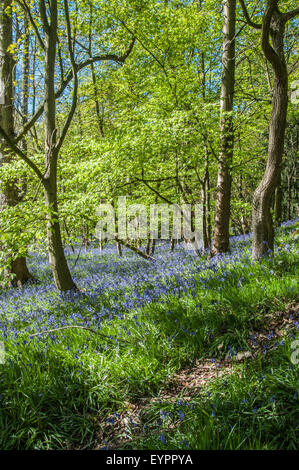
(205, 197)
(278, 204)
(94, 79)
(262, 223)
(172, 244)
(148, 245)
(48, 14)
(119, 250)
(57, 260)
(224, 182)
(11, 196)
(153, 247)
(61, 273)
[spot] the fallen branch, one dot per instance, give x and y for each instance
(136, 250)
(79, 327)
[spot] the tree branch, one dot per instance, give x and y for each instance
(33, 24)
(75, 77)
(11, 144)
(68, 79)
(43, 14)
(291, 14)
(78, 327)
(247, 17)
(269, 52)
(136, 250)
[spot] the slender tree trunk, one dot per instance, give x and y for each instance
(94, 78)
(119, 250)
(96, 101)
(25, 82)
(263, 231)
(68, 236)
(205, 183)
(289, 202)
(204, 217)
(11, 195)
(243, 224)
(58, 263)
(278, 203)
(152, 250)
(208, 211)
(172, 244)
(148, 245)
(205, 197)
(224, 182)
(25, 94)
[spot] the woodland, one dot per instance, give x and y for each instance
(141, 342)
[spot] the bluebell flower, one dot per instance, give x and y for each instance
(163, 438)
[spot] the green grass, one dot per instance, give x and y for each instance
(55, 391)
(254, 407)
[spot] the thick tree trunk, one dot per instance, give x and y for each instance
(224, 182)
(263, 231)
(10, 195)
(20, 270)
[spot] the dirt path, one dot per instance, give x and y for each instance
(119, 428)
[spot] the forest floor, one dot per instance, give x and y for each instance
(182, 388)
(180, 353)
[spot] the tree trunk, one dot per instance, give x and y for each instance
(147, 246)
(58, 263)
(10, 196)
(224, 182)
(57, 260)
(208, 210)
(205, 197)
(100, 119)
(101, 244)
(278, 204)
(289, 202)
(204, 217)
(119, 250)
(263, 231)
(152, 250)
(172, 244)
